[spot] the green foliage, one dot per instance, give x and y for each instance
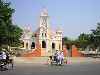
(68, 42)
(96, 36)
(92, 39)
(9, 33)
(84, 40)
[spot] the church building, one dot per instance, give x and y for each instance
(43, 37)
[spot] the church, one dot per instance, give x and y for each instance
(43, 38)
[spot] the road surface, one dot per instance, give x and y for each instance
(91, 68)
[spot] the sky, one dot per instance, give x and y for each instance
(73, 16)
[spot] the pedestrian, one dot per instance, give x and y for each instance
(55, 55)
(4, 57)
(60, 57)
(49, 60)
(0, 55)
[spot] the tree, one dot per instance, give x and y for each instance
(9, 33)
(83, 40)
(68, 42)
(96, 36)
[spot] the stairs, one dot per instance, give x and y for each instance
(35, 53)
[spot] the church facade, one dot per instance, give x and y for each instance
(43, 37)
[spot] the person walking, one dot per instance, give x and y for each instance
(0, 56)
(62, 57)
(55, 56)
(4, 56)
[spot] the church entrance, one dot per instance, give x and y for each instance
(53, 45)
(26, 45)
(59, 47)
(53, 48)
(22, 44)
(33, 45)
(43, 44)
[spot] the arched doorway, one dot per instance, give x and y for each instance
(26, 45)
(53, 45)
(43, 44)
(33, 45)
(59, 47)
(22, 44)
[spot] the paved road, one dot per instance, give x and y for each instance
(40, 69)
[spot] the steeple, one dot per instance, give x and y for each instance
(44, 12)
(44, 18)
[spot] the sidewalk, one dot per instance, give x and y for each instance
(43, 60)
(84, 60)
(37, 60)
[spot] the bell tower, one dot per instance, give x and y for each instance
(44, 18)
(58, 39)
(44, 30)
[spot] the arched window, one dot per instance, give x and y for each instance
(53, 45)
(22, 44)
(35, 35)
(33, 45)
(42, 34)
(59, 46)
(45, 35)
(26, 45)
(43, 44)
